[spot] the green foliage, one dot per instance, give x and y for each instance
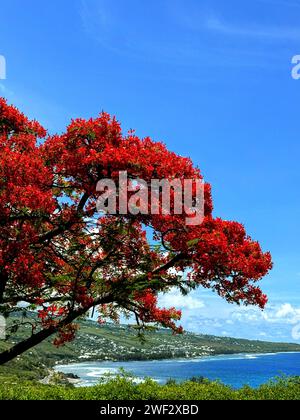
(124, 387)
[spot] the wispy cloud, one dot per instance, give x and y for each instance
(255, 31)
(285, 3)
(193, 45)
(104, 25)
(207, 18)
(4, 90)
(95, 14)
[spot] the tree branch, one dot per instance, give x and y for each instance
(170, 263)
(61, 229)
(42, 335)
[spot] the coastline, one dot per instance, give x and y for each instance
(108, 369)
(173, 359)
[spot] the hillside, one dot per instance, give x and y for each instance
(111, 342)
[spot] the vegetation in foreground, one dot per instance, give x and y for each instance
(124, 388)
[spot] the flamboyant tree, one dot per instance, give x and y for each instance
(60, 258)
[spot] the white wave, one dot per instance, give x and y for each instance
(99, 372)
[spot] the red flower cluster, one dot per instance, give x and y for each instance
(51, 314)
(65, 335)
(55, 247)
(12, 121)
(150, 313)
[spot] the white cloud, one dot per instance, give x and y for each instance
(288, 313)
(175, 298)
(283, 313)
(285, 310)
(276, 323)
(206, 313)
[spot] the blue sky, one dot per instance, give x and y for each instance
(213, 80)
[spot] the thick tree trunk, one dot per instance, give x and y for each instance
(42, 335)
(25, 345)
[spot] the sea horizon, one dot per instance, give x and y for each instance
(235, 370)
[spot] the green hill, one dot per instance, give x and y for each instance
(111, 342)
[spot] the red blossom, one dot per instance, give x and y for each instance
(54, 247)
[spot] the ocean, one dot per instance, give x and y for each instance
(233, 370)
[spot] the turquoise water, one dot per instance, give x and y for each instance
(234, 370)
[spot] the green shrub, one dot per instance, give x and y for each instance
(124, 387)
